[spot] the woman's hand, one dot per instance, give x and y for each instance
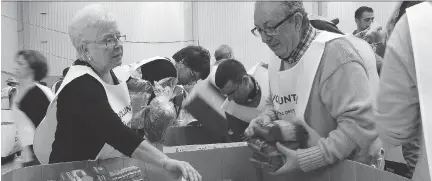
(181, 168)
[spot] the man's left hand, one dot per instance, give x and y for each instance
(291, 163)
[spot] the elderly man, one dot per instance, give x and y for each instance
(404, 99)
(324, 81)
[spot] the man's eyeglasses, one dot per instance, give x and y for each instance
(270, 30)
(110, 42)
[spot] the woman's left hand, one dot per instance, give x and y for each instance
(291, 164)
(182, 168)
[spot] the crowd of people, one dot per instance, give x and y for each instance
(355, 94)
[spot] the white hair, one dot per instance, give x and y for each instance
(91, 16)
(223, 52)
(289, 7)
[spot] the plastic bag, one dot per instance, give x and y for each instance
(140, 92)
(184, 118)
(160, 113)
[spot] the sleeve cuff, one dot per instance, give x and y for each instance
(311, 158)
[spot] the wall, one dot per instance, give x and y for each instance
(230, 23)
(345, 12)
(140, 21)
(211, 23)
(9, 40)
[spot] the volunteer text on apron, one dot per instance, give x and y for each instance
(118, 98)
(291, 88)
(419, 18)
(245, 113)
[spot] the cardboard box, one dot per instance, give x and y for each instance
(215, 163)
(188, 135)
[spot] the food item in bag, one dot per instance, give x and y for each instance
(160, 113)
(288, 131)
(282, 130)
(266, 154)
(140, 92)
(261, 146)
(290, 134)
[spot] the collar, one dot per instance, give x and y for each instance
(304, 44)
(84, 63)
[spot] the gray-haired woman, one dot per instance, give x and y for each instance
(90, 115)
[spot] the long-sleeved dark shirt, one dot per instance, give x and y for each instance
(85, 122)
(34, 104)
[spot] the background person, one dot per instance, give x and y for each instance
(399, 116)
(32, 99)
(246, 94)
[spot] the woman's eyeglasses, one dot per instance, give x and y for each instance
(114, 41)
(110, 42)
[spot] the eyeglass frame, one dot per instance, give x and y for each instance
(110, 42)
(274, 27)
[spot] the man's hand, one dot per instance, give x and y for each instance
(291, 163)
(250, 130)
(313, 135)
(181, 168)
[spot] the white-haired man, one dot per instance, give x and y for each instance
(326, 81)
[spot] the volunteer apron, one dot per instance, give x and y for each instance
(118, 98)
(25, 127)
(419, 18)
(246, 113)
(291, 88)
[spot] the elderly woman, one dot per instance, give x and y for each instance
(32, 99)
(87, 119)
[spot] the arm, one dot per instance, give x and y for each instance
(91, 108)
(398, 114)
(348, 98)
